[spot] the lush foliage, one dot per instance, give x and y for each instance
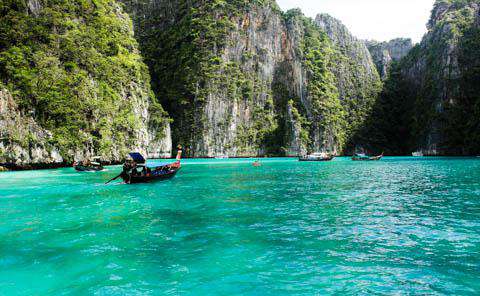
(75, 66)
(390, 127)
(463, 117)
(183, 51)
(185, 47)
(431, 101)
(328, 122)
(358, 82)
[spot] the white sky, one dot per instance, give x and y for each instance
(380, 20)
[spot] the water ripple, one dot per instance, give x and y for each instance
(399, 226)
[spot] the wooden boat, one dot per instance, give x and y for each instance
(417, 154)
(144, 174)
(363, 157)
(136, 170)
(317, 157)
(89, 166)
(222, 157)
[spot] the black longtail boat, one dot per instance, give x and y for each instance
(89, 166)
(136, 171)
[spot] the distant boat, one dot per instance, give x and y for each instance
(322, 156)
(89, 166)
(222, 157)
(364, 157)
(417, 154)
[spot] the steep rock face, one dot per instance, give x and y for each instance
(22, 141)
(358, 80)
(75, 69)
(443, 67)
(258, 82)
(437, 83)
(239, 110)
(385, 53)
(215, 81)
(316, 104)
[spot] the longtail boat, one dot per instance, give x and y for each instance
(89, 166)
(417, 154)
(136, 171)
(363, 157)
(317, 157)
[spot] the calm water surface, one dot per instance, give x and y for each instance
(222, 227)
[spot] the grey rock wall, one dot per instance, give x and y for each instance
(22, 140)
(385, 53)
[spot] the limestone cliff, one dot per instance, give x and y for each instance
(443, 70)
(258, 82)
(358, 81)
(435, 87)
(385, 53)
(72, 73)
(22, 140)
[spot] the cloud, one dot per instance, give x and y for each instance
(372, 19)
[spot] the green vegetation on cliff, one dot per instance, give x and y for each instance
(356, 77)
(74, 65)
(237, 77)
(463, 117)
(431, 101)
(184, 52)
(201, 59)
(327, 119)
(389, 128)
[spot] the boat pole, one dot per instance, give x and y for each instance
(114, 179)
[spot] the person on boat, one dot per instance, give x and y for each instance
(179, 153)
(178, 158)
(129, 165)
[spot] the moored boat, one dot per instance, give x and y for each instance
(317, 157)
(222, 157)
(417, 154)
(89, 166)
(364, 157)
(136, 171)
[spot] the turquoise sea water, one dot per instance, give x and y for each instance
(222, 227)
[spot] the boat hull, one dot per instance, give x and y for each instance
(81, 168)
(316, 159)
(153, 177)
(374, 158)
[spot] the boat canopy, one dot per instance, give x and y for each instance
(137, 157)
